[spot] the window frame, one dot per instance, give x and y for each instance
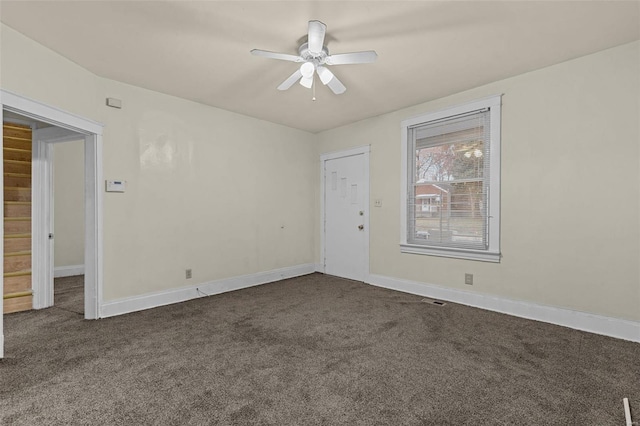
(492, 253)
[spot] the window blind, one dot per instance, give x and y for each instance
(447, 203)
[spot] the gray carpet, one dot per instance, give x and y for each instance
(68, 294)
(315, 350)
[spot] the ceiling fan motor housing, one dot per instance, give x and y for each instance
(307, 55)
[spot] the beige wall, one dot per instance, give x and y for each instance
(210, 190)
(33, 71)
(217, 192)
(68, 190)
(570, 188)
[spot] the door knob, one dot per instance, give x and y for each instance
(361, 227)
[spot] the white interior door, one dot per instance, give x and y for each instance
(346, 218)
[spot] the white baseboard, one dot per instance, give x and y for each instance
(1, 346)
(182, 294)
(319, 268)
(608, 326)
(68, 271)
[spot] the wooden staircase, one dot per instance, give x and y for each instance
(17, 218)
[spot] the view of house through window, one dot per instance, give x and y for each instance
(448, 166)
(449, 194)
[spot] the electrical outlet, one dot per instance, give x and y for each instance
(187, 273)
(468, 279)
(377, 203)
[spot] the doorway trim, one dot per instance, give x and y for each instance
(361, 150)
(42, 210)
(92, 132)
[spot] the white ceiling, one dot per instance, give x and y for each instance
(427, 49)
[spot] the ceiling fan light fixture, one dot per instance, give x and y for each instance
(325, 75)
(307, 69)
(307, 81)
(315, 58)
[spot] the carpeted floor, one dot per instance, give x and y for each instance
(68, 294)
(314, 350)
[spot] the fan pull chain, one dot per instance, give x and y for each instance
(313, 87)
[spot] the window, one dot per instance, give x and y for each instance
(451, 182)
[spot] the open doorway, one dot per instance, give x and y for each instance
(46, 141)
(68, 226)
(59, 126)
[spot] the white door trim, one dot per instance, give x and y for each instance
(2, 233)
(361, 150)
(39, 111)
(92, 132)
(93, 271)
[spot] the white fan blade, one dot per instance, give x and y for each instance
(307, 81)
(336, 86)
(315, 40)
(289, 81)
(325, 75)
(274, 55)
(365, 57)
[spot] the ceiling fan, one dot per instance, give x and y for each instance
(315, 58)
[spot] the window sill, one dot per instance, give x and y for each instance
(482, 256)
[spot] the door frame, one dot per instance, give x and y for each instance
(365, 151)
(43, 210)
(93, 159)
